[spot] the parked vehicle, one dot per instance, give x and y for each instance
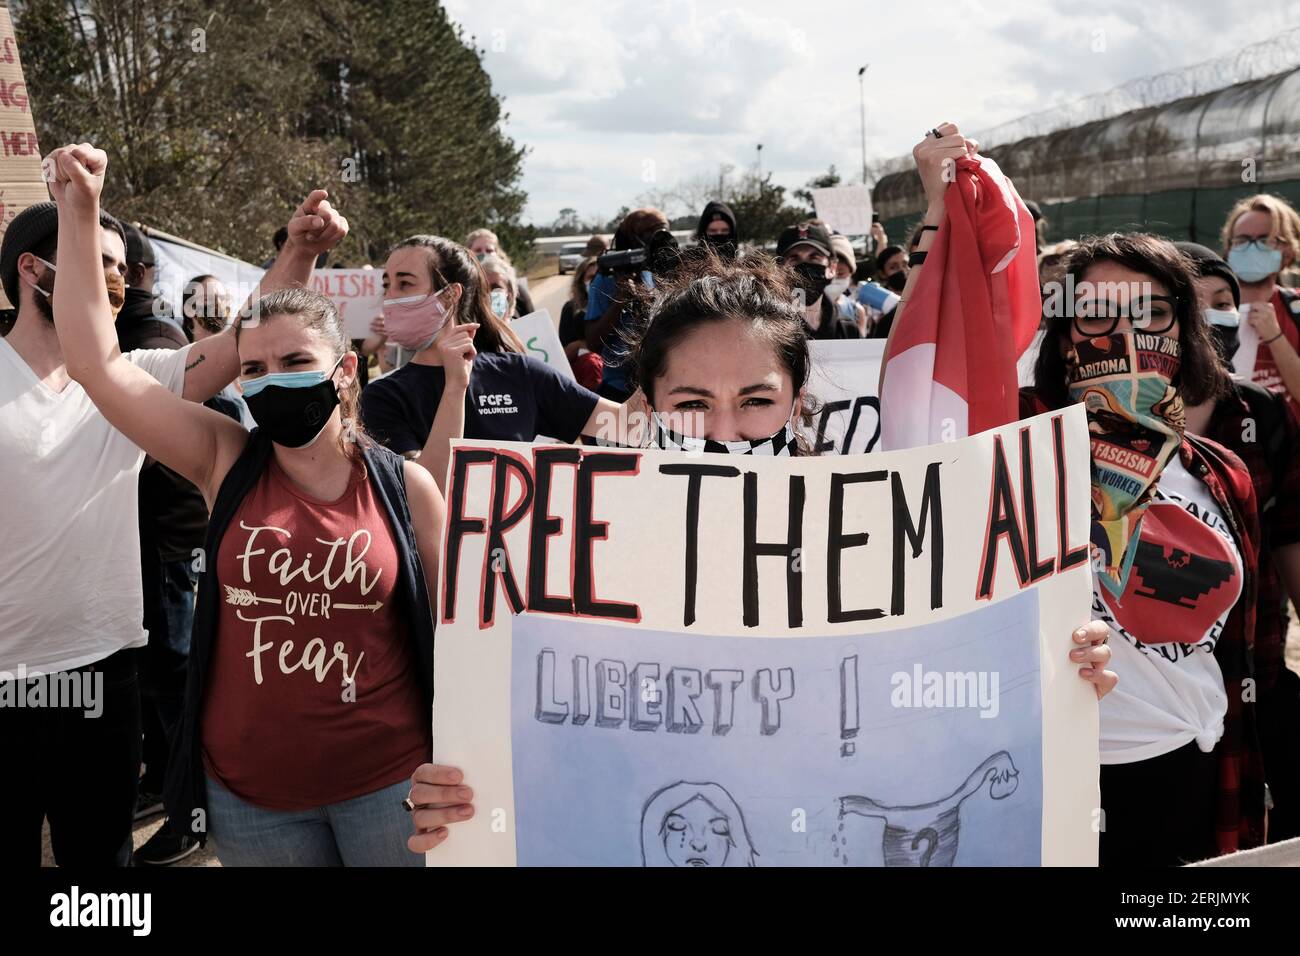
(571, 256)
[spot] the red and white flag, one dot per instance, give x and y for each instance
(951, 363)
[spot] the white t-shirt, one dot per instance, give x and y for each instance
(70, 589)
(1186, 578)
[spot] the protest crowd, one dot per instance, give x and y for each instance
(174, 479)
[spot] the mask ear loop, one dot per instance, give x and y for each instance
(337, 365)
(50, 267)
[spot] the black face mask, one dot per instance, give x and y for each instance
(812, 278)
(1226, 341)
(896, 282)
(294, 417)
(724, 246)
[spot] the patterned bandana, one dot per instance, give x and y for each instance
(1135, 421)
(782, 443)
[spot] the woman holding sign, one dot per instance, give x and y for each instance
(722, 359)
(309, 690)
(1174, 541)
(723, 362)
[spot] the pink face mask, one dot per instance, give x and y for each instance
(414, 322)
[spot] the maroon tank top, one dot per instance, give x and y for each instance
(313, 696)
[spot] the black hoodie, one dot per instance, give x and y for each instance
(718, 210)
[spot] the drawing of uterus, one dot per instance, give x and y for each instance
(926, 835)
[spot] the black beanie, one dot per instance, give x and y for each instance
(1210, 263)
(29, 229)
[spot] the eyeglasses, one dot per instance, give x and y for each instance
(1262, 243)
(1154, 314)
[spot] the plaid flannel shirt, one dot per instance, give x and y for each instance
(1274, 465)
(1239, 802)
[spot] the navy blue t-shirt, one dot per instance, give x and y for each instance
(511, 397)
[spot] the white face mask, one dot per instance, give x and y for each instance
(782, 443)
(1227, 318)
(500, 303)
(836, 288)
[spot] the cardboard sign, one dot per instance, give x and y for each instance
(21, 182)
(844, 209)
(650, 658)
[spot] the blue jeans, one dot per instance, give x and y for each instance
(369, 830)
(169, 617)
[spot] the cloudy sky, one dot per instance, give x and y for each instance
(617, 96)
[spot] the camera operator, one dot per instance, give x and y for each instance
(612, 291)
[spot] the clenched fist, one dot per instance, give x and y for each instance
(75, 175)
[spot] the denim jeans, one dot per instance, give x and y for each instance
(169, 618)
(369, 830)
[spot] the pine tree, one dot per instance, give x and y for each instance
(218, 115)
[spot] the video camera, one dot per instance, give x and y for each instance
(621, 262)
(659, 255)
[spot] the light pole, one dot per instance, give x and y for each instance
(759, 153)
(862, 97)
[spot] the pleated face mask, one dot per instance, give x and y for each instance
(1135, 425)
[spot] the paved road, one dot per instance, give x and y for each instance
(550, 294)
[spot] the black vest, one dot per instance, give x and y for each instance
(185, 790)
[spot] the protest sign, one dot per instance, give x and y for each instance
(358, 294)
(537, 331)
(845, 209)
(21, 182)
(1025, 364)
(844, 381)
(649, 658)
(179, 261)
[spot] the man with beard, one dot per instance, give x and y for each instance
(805, 250)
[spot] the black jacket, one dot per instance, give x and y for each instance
(145, 322)
(186, 791)
(833, 325)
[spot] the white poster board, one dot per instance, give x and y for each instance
(541, 340)
(650, 658)
(176, 264)
(845, 383)
(844, 209)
